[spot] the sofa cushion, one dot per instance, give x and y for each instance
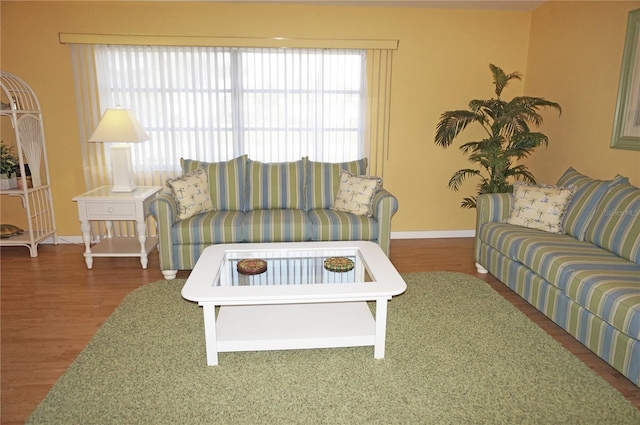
(323, 179)
(276, 226)
(539, 207)
(331, 225)
(355, 194)
(597, 279)
(583, 204)
(191, 193)
(209, 228)
(228, 196)
(616, 222)
(275, 185)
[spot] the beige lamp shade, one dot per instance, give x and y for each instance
(119, 125)
(122, 127)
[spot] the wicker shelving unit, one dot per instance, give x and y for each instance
(21, 108)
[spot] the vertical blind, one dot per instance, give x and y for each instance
(215, 103)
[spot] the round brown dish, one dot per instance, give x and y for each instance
(338, 264)
(8, 230)
(252, 266)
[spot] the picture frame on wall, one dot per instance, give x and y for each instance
(626, 126)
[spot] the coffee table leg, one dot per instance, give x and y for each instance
(210, 339)
(381, 328)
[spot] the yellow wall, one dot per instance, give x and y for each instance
(570, 53)
(441, 64)
(574, 59)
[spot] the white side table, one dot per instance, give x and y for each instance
(102, 204)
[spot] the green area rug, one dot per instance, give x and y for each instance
(457, 353)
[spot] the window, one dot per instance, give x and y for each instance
(213, 104)
(273, 99)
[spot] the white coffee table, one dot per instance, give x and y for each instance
(296, 303)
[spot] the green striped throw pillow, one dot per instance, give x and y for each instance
(275, 185)
(226, 181)
(323, 179)
(616, 222)
(583, 205)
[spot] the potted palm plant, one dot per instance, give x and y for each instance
(508, 138)
(9, 163)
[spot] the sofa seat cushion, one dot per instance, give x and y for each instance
(276, 226)
(331, 225)
(600, 281)
(209, 228)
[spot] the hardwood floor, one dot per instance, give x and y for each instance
(52, 305)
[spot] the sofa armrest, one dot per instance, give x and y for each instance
(385, 206)
(165, 211)
(491, 207)
(164, 208)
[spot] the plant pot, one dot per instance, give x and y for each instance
(20, 180)
(7, 183)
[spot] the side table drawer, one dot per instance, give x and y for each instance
(111, 210)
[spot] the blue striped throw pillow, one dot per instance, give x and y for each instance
(589, 193)
(323, 179)
(275, 185)
(226, 181)
(616, 222)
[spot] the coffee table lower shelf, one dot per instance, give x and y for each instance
(288, 326)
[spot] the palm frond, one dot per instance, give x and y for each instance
(508, 125)
(528, 141)
(469, 202)
(483, 145)
(501, 79)
(482, 159)
(520, 172)
(469, 147)
(460, 176)
(452, 123)
(527, 107)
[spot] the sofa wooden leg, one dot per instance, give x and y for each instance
(481, 269)
(169, 274)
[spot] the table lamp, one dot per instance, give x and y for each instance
(121, 127)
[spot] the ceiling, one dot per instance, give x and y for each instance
(522, 5)
(526, 5)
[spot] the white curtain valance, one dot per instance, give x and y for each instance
(206, 41)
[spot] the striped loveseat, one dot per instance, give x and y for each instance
(267, 202)
(587, 280)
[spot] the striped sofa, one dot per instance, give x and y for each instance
(263, 202)
(587, 280)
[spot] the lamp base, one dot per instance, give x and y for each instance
(121, 168)
(121, 189)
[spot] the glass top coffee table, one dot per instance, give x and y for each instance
(293, 296)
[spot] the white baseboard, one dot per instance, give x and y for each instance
(434, 234)
(71, 240)
(424, 234)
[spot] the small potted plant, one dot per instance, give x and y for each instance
(9, 164)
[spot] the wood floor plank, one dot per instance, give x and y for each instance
(52, 305)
